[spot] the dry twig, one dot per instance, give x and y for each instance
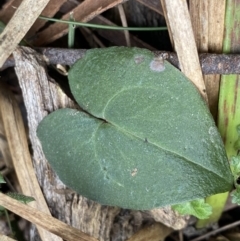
(210, 63)
(43, 220)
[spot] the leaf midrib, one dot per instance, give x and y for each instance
(126, 132)
(138, 137)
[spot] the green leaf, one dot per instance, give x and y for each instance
(197, 208)
(146, 138)
(236, 196)
(20, 197)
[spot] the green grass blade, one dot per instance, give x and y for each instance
(229, 98)
(229, 117)
(229, 103)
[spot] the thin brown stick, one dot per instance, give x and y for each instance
(210, 63)
(20, 23)
(43, 220)
(224, 228)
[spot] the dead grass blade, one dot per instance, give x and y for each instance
(4, 150)
(199, 17)
(82, 13)
(153, 4)
(176, 11)
(124, 24)
(43, 220)
(117, 37)
(216, 18)
(18, 26)
(50, 10)
(18, 146)
(208, 27)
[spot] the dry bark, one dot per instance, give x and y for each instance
(42, 96)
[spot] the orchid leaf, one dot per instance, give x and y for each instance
(144, 139)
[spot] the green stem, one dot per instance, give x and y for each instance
(71, 32)
(90, 25)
